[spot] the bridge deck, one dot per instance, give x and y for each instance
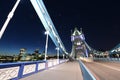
(65, 71)
(104, 70)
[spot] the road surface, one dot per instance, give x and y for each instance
(104, 70)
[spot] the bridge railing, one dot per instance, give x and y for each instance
(15, 71)
(87, 75)
(106, 59)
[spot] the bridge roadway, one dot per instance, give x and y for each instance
(104, 70)
(65, 71)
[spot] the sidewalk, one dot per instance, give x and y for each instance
(65, 71)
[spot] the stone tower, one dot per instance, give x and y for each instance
(78, 44)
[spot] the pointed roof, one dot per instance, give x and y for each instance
(77, 32)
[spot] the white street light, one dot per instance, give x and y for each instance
(46, 46)
(57, 52)
(63, 56)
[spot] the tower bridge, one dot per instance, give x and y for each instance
(60, 69)
(78, 46)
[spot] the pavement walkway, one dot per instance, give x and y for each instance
(65, 71)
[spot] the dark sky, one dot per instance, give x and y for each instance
(100, 21)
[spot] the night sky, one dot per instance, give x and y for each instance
(100, 21)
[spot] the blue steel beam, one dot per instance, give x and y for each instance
(47, 23)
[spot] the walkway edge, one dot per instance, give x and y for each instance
(87, 75)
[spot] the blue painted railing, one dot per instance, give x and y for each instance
(85, 72)
(15, 71)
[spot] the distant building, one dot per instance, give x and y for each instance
(22, 54)
(36, 52)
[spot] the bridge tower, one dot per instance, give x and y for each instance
(78, 44)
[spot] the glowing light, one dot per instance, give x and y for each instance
(46, 32)
(78, 43)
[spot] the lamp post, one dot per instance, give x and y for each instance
(63, 56)
(57, 48)
(57, 52)
(46, 46)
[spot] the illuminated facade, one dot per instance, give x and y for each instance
(78, 44)
(22, 54)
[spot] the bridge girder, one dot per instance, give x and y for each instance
(47, 23)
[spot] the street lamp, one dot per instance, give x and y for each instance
(63, 56)
(46, 46)
(57, 52)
